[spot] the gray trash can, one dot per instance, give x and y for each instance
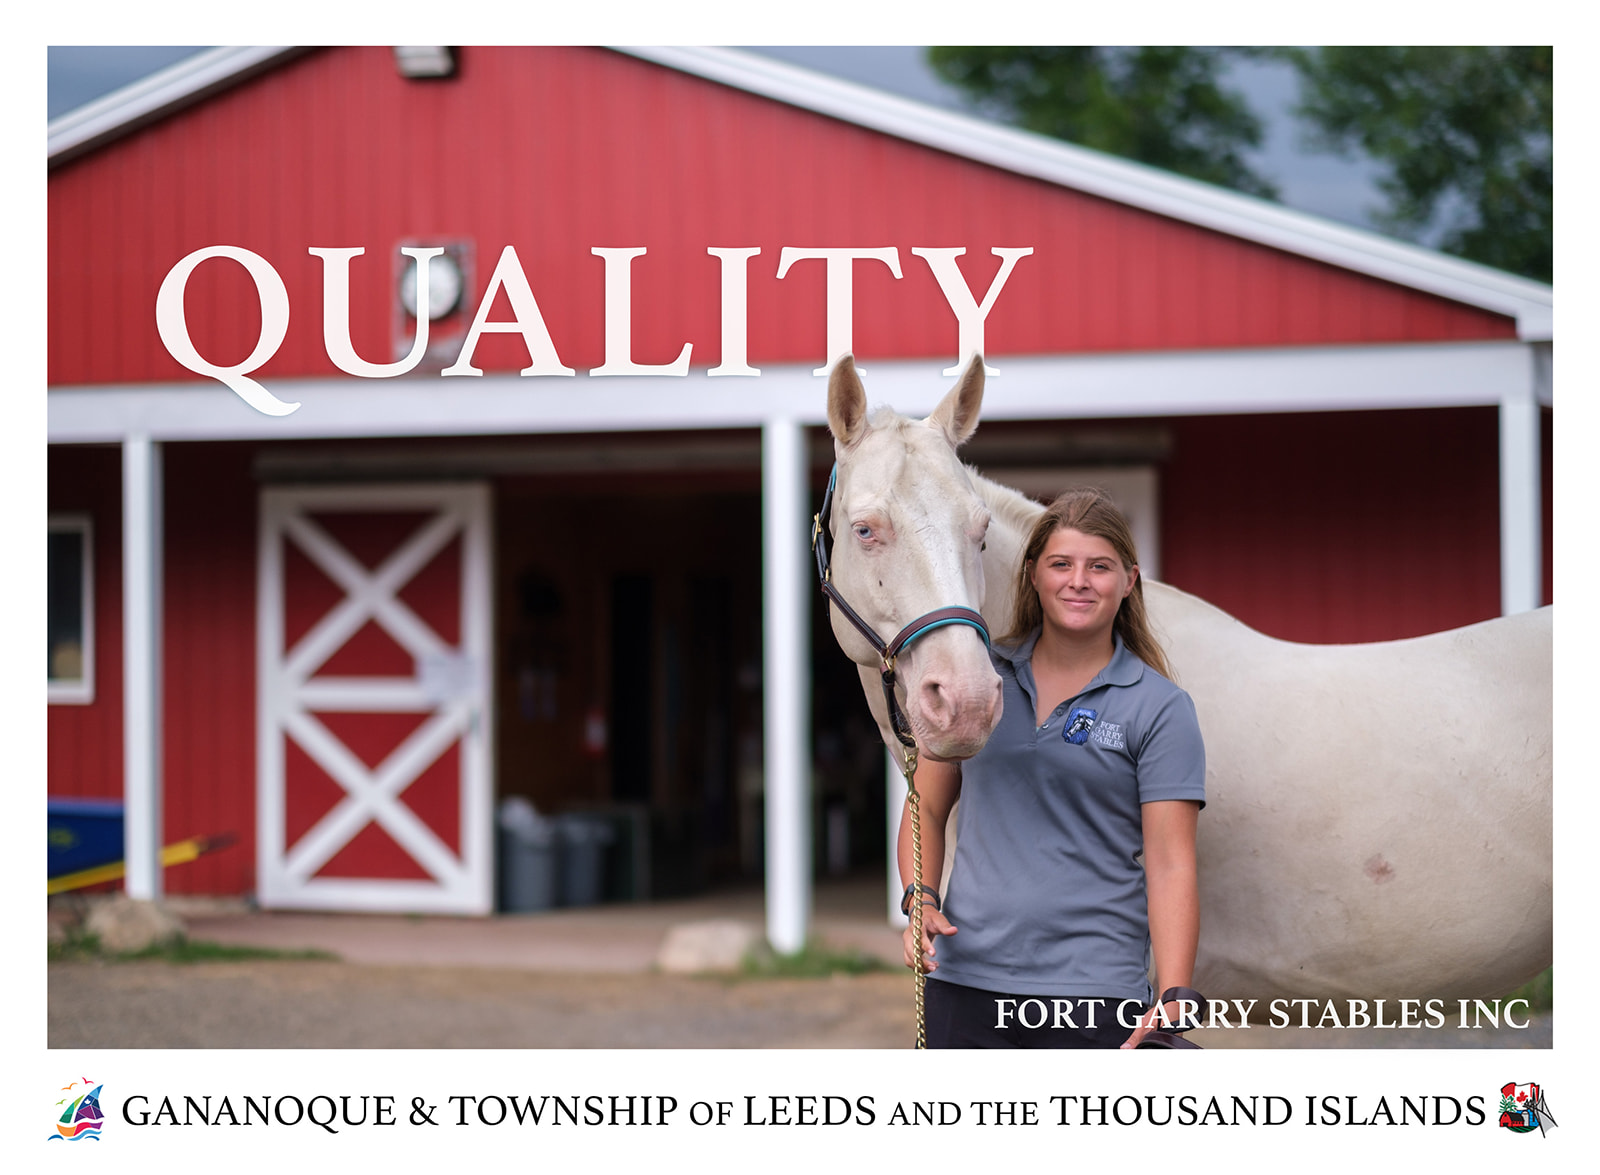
(583, 845)
(528, 846)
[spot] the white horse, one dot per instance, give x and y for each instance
(1378, 820)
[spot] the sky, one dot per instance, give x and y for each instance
(1320, 183)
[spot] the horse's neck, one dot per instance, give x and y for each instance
(1012, 515)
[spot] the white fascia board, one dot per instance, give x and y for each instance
(149, 98)
(1125, 182)
(1055, 387)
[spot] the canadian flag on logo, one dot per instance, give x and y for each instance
(1522, 1107)
(1525, 1096)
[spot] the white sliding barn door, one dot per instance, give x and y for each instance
(374, 782)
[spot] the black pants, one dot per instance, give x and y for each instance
(960, 1017)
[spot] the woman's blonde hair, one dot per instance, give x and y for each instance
(1090, 512)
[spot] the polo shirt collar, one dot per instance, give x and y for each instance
(1123, 669)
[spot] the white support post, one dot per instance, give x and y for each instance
(1521, 554)
(785, 523)
(141, 673)
(894, 800)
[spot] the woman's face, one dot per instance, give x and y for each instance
(1081, 583)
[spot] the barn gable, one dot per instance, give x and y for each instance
(596, 148)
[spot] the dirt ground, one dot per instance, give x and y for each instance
(284, 1003)
(295, 1004)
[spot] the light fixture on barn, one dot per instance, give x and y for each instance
(425, 61)
(450, 278)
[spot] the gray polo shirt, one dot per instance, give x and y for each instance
(1047, 892)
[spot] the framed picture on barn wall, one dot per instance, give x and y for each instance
(70, 620)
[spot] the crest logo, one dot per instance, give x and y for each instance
(81, 1118)
(1522, 1108)
(1079, 723)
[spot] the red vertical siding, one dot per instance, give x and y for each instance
(557, 150)
(208, 652)
(209, 662)
(85, 742)
(1337, 527)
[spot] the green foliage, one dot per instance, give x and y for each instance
(1161, 105)
(80, 947)
(184, 950)
(76, 946)
(1466, 132)
(1467, 135)
(815, 961)
(1538, 991)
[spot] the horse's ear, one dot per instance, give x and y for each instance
(957, 414)
(847, 402)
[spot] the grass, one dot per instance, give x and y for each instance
(815, 960)
(180, 950)
(1538, 991)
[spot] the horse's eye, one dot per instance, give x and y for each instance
(863, 533)
(983, 546)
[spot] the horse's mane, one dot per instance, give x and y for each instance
(1012, 508)
(885, 418)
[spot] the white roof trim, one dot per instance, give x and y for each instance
(1027, 387)
(153, 97)
(1528, 302)
(1152, 189)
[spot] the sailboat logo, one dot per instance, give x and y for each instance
(82, 1117)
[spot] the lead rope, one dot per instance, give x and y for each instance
(909, 769)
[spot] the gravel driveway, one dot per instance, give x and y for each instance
(325, 1004)
(295, 1004)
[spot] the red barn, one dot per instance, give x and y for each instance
(533, 566)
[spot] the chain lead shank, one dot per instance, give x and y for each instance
(909, 769)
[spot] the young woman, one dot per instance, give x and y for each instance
(1075, 862)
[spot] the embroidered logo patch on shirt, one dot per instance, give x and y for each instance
(1111, 736)
(1079, 723)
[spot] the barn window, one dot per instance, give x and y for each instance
(70, 608)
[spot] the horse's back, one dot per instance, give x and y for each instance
(1378, 787)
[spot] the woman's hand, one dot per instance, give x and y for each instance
(933, 925)
(1150, 1021)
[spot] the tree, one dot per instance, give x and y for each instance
(1160, 105)
(1466, 132)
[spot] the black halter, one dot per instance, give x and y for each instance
(821, 530)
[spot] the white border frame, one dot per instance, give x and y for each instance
(80, 693)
